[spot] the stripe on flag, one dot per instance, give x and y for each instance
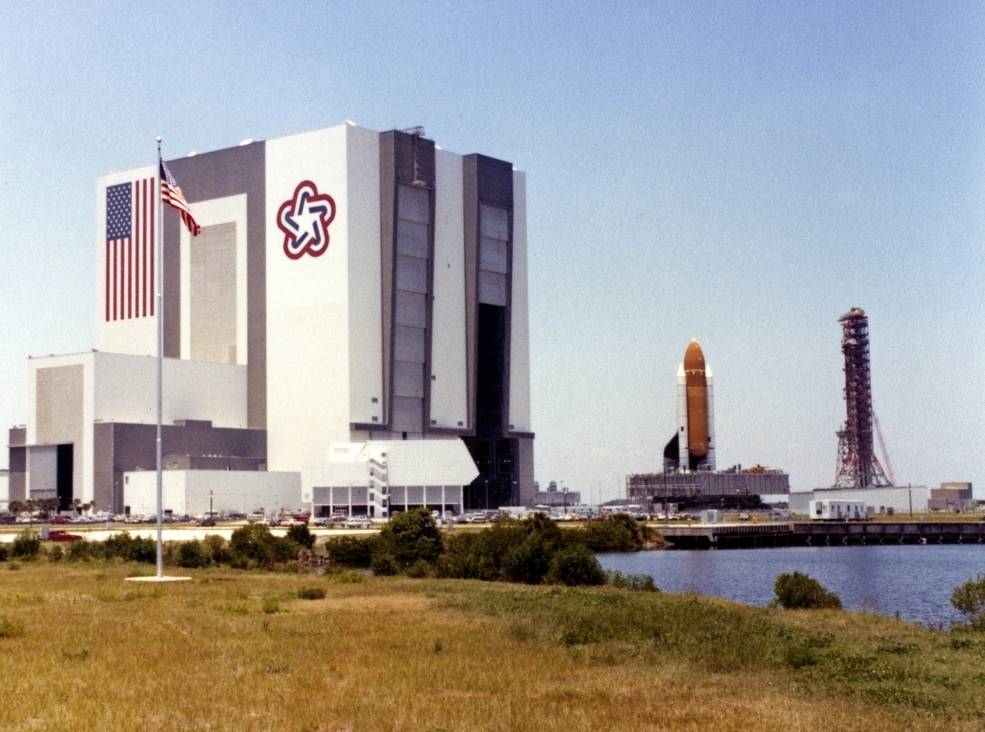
(171, 195)
(129, 250)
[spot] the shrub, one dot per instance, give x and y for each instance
(217, 548)
(969, 600)
(301, 535)
(530, 560)
(311, 593)
(27, 545)
(128, 548)
(419, 569)
(3, 552)
(411, 536)
(576, 565)
(10, 629)
(254, 546)
(345, 578)
(616, 533)
(55, 553)
(384, 565)
(351, 551)
(798, 591)
(79, 551)
(516, 550)
(193, 555)
(637, 582)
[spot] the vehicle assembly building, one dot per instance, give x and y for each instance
(348, 290)
(689, 477)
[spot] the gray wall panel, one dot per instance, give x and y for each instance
(218, 174)
(409, 344)
(411, 309)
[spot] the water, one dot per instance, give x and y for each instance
(914, 580)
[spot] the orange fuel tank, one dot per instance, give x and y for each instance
(697, 400)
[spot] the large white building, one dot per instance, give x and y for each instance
(347, 287)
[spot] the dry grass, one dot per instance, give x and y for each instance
(95, 653)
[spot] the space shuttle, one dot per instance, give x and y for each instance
(693, 445)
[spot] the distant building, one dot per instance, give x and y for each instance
(883, 500)
(734, 487)
(952, 496)
(554, 497)
(383, 477)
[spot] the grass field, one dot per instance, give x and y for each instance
(80, 649)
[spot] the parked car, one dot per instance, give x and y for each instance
(358, 522)
(63, 536)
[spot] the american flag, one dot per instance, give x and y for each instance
(171, 195)
(130, 249)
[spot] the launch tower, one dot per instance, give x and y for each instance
(858, 466)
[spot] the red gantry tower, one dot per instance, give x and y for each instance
(858, 466)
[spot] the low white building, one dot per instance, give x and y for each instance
(381, 477)
(891, 499)
(828, 510)
(192, 492)
(4, 490)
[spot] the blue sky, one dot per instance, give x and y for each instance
(740, 173)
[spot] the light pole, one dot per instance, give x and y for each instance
(564, 491)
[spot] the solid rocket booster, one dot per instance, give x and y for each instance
(697, 401)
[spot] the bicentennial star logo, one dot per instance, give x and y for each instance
(304, 219)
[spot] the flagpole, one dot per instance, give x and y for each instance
(160, 358)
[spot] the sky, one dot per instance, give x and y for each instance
(740, 173)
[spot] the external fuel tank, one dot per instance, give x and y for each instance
(697, 401)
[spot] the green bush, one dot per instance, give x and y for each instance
(411, 536)
(345, 578)
(128, 548)
(193, 555)
(351, 551)
(637, 582)
(530, 560)
(254, 546)
(311, 593)
(79, 551)
(616, 533)
(576, 565)
(3, 552)
(969, 600)
(27, 545)
(798, 591)
(384, 565)
(520, 551)
(301, 535)
(419, 569)
(217, 548)
(55, 553)
(10, 629)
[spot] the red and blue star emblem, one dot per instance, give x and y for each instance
(304, 219)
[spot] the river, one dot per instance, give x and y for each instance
(913, 580)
